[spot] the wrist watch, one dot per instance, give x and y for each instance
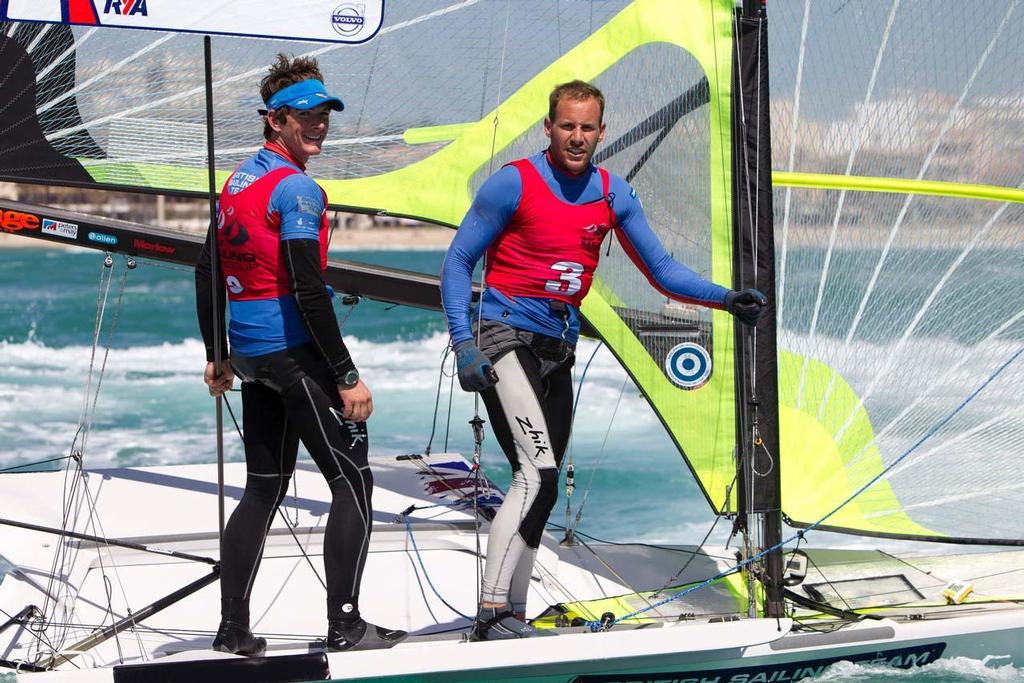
(349, 379)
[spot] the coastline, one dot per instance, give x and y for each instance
(426, 237)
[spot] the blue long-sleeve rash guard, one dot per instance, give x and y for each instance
(491, 212)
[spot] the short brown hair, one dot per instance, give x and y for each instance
(282, 73)
(577, 90)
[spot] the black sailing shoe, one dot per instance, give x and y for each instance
(494, 623)
(360, 635)
(237, 639)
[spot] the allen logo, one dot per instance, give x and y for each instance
(126, 7)
(13, 221)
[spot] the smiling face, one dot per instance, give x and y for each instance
(574, 133)
(302, 131)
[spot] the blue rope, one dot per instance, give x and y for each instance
(596, 625)
(583, 376)
(408, 527)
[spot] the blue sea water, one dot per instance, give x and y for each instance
(152, 406)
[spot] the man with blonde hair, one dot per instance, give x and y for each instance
(541, 222)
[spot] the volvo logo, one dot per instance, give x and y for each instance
(348, 19)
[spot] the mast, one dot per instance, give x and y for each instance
(217, 287)
(757, 423)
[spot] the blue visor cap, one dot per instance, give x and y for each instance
(304, 95)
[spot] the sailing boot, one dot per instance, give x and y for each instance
(498, 623)
(233, 634)
(347, 630)
(360, 635)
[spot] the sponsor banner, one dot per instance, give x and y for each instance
(335, 21)
(16, 221)
(153, 247)
(60, 229)
(102, 238)
(898, 658)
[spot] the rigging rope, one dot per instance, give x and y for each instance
(570, 481)
(75, 486)
(419, 557)
(599, 461)
(283, 513)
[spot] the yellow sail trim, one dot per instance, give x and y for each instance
(621, 605)
(898, 186)
(816, 468)
(419, 136)
(162, 176)
(438, 187)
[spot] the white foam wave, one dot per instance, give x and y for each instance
(153, 407)
(989, 670)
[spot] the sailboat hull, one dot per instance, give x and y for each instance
(411, 568)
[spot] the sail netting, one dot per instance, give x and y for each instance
(446, 92)
(898, 149)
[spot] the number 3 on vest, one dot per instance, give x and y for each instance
(568, 282)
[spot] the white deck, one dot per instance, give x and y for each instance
(175, 508)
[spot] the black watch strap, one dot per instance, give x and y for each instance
(349, 379)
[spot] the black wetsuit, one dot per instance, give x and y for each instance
(288, 396)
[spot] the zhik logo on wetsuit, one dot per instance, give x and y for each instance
(536, 435)
(354, 431)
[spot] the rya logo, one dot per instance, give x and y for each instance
(126, 7)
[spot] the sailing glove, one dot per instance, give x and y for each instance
(476, 372)
(746, 304)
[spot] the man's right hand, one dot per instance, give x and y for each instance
(476, 372)
(358, 402)
(219, 382)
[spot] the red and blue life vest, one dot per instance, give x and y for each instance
(249, 241)
(550, 248)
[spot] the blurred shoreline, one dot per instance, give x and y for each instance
(427, 237)
(349, 232)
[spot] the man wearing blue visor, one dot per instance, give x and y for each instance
(299, 382)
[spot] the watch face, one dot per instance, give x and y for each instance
(350, 378)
